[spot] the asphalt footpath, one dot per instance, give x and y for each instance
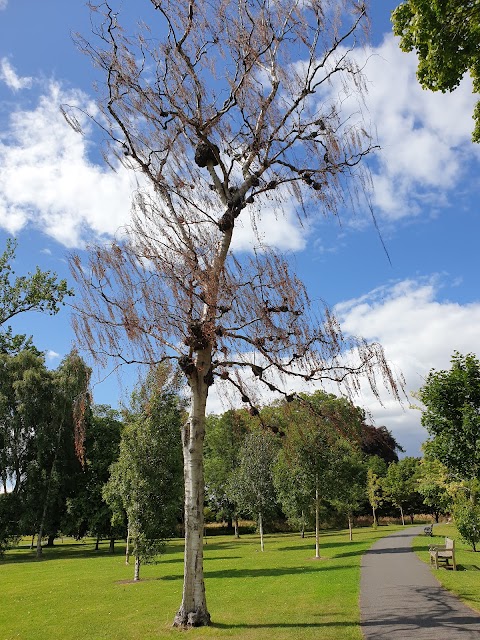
(400, 599)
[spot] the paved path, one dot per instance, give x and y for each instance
(401, 599)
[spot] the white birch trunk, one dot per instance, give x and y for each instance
(235, 524)
(403, 517)
(193, 610)
(350, 528)
(127, 546)
(375, 523)
(136, 574)
(317, 523)
(260, 527)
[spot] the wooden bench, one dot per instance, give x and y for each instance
(444, 553)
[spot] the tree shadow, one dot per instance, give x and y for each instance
(287, 625)
(264, 572)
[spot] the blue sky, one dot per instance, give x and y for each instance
(55, 194)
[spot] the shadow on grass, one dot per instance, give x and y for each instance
(286, 625)
(264, 573)
(60, 552)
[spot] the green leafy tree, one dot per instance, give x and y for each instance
(224, 436)
(445, 35)
(251, 485)
(400, 485)
(451, 415)
(87, 511)
(433, 485)
(146, 480)
(38, 291)
(350, 482)
(377, 470)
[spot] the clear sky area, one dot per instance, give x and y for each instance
(411, 282)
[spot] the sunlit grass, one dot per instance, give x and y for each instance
(465, 582)
(75, 593)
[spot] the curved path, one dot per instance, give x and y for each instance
(401, 599)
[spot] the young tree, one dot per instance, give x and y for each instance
(452, 416)
(224, 438)
(400, 484)
(251, 485)
(350, 487)
(433, 483)
(147, 477)
(444, 35)
(226, 113)
(377, 470)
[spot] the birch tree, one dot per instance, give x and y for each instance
(226, 112)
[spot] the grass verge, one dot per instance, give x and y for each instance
(465, 582)
(75, 593)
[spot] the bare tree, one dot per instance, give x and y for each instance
(226, 109)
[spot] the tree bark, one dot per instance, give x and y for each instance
(50, 541)
(136, 574)
(317, 523)
(235, 524)
(127, 547)
(302, 527)
(403, 517)
(260, 528)
(193, 609)
(112, 545)
(350, 527)
(97, 542)
(375, 523)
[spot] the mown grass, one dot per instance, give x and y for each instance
(465, 582)
(75, 593)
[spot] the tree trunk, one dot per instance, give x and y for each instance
(317, 523)
(193, 609)
(437, 516)
(136, 575)
(112, 545)
(97, 542)
(350, 527)
(50, 541)
(33, 540)
(375, 523)
(235, 522)
(260, 528)
(403, 517)
(127, 547)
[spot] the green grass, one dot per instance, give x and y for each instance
(465, 582)
(75, 593)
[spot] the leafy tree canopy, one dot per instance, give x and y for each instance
(451, 415)
(445, 34)
(38, 291)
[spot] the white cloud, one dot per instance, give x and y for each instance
(3, 4)
(425, 137)
(52, 355)
(418, 332)
(48, 180)
(8, 73)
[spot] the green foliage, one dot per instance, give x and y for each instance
(251, 485)
(433, 484)
(377, 470)
(452, 415)
(10, 510)
(445, 34)
(400, 484)
(467, 520)
(350, 490)
(38, 291)
(146, 480)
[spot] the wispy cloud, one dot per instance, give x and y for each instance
(3, 4)
(52, 355)
(9, 75)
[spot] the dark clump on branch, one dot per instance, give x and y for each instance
(290, 398)
(245, 398)
(280, 309)
(197, 339)
(208, 378)
(226, 221)
(256, 370)
(187, 365)
(253, 411)
(206, 153)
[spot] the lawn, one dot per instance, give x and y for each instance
(75, 593)
(465, 582)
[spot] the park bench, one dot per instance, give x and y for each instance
(428, 531)
(443, 553)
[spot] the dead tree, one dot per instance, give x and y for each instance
(226, 109)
